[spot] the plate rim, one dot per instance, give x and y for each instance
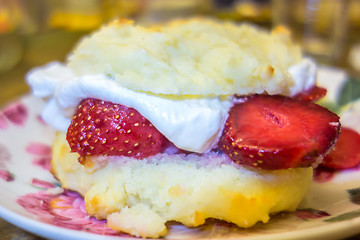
(37, 227)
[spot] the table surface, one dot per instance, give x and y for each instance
(37, 49)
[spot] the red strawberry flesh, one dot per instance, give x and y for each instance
(346, 153)
(104, 128)
(313, 94)
(278, 132)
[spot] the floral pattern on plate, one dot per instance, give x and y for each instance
(41, 153)
(62, 208)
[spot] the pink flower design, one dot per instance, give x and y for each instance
(3, 122)
(42, 184)
(16, 113)
(6, 175)
(44, 162)
(5, 155)
(38, 149)
(42, 153)
(66, 209)
(41, 120)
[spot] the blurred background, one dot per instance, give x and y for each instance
(34, 32)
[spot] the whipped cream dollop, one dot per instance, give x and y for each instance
(193, 124)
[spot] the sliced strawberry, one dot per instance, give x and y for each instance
(105, 128)
(346, 153)
(278, 132)
(313, 94)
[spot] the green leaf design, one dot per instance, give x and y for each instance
(332, 106)
(354, 195)
(345, 216)
(350, 91)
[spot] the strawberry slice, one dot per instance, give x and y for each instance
(346, 152)
(278, 132)
(313, 94)
(105, 128)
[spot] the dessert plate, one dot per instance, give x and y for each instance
(32, 199)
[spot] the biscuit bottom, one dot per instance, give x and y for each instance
(139, 196)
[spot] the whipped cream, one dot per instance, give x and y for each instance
(191, 124)
(304, 75)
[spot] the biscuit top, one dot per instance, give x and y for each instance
(198, 56)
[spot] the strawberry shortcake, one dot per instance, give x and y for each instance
(185, 121)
